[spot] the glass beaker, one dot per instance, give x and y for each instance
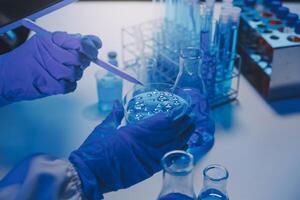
(214, 183)
(145, 101)
(177, 176)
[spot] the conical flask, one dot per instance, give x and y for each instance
(214, 183)
(177, 176)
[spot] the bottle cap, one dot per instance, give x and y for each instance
(275, 5)
(112, 54)
(291, 19)
(282, 12)
(297, 27)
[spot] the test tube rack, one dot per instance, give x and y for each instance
(271, 58)
(140, 42)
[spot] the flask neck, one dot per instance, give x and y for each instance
(215, 177)
(178, 176)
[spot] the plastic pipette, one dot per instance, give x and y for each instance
(39, 30)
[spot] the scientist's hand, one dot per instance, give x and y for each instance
(113, 158)
(45, 66)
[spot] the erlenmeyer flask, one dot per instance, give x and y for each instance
(189, 79)
(177, 176)
(214, 183)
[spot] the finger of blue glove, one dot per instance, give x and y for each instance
(96, 40)
(158, 131)
(55, 67)
(88, 45)
(113, 120)
(109, 126)
(47, 85)
(59, 53)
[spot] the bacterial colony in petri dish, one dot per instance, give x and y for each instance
(147, 104)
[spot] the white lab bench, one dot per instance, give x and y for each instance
(259, 146)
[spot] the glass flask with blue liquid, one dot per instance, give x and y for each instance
(214, 184)
(109, 87)
(189, 79)
(177, 176)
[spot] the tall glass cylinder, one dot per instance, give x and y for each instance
(177, 176)
(214, 183)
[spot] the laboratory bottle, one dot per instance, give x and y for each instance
(177, 176)
(109, 87)
(214, 183)
(290, 22)
(297, 27)
(189, 79)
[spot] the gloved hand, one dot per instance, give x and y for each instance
(113, 158)
(45, 66)
(203, 137)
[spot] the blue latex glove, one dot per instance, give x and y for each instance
(45, 66)
(113, 158)
(203, 137)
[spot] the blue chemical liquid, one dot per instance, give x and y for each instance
(232, 48)
(205, 40)
(212, 194)
(109, 89)
(208, 72)
(175, 196)
(147, 104)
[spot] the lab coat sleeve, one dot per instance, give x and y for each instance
(41, 177)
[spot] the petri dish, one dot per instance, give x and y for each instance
(145, 101)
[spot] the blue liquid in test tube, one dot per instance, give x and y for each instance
(222, 42)
(235, 21)
(206, 26)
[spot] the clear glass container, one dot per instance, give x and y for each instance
(189, 75)
(214, 183)
(109, 87)
(145, 101)
(189, 78)
(177, 176)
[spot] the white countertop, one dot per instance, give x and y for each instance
(259, 146)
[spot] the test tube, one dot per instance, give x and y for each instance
(206, 26)
(235, 21)
(223, 35)
(224, 27)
